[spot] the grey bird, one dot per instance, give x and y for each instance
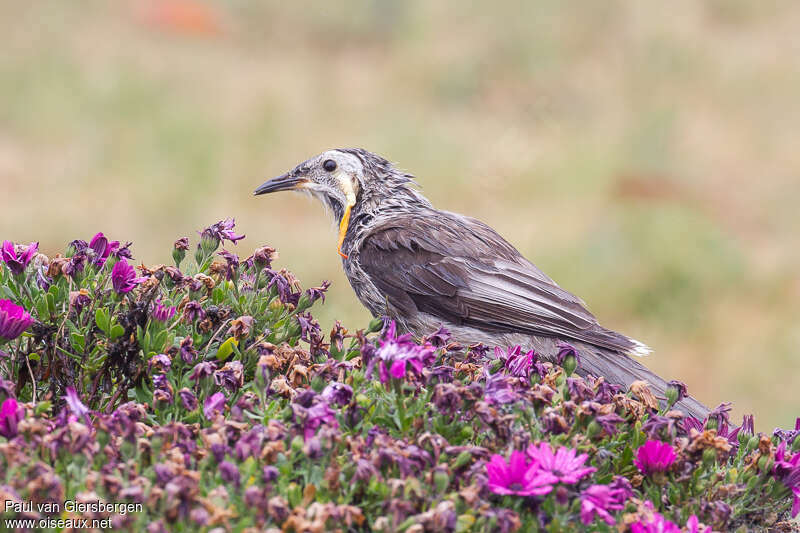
(427, 268)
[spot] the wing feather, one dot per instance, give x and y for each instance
(463, 272)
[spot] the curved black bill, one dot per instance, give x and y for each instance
(285, 182)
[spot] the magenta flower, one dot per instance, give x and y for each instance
(787, 470)
(654, 456)
(693, 525)
(518, 476)
(213, 404)
(18, 262)
(14, 320)
(188, 399)
(221, 231)
(396, 355)
(163, 313)
(598, 500)
(10, 415)
(123, 277)
(102, 248)
(563, 465)
(517, 363)
(75, 404)
(316, 415)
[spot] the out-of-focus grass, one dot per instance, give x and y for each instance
(643, 154)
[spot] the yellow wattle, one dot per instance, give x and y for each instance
(343, 228)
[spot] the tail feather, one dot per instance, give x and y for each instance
(623, 370)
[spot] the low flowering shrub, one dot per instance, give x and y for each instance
(205, 395)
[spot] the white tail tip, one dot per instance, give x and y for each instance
(639, 349)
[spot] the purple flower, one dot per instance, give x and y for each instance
(192, 311)
(14, 320)
(10, 415)
(498, 390)
(162, 313)
(202, 370)
(396, 355)
(337, 393)
(563, 465)
(229, 473)
(318, 293)
(102, 248)
(231, 263)
(787, 471)
(518, 476)
(75, 404)
(654, 456)
(221, 231)
(316, 415)
(18, 262)
(188, 399)
(567, 350)
(598, 500)
(439, 337)
(787, 435)
(213, 404)
(517, 363)
(188, 352)
(271, 473)
(693, 525)
(162, 362)
(230, 376)
(609, 422)
(123, 277)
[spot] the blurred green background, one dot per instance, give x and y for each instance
(644, 154)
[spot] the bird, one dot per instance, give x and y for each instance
(426, 268)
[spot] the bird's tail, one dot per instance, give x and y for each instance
(622, 369)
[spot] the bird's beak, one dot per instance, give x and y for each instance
(286, 182)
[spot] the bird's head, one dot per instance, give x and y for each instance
(346, 180)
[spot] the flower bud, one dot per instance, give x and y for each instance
(570, 364)
(593, 429)
(796, 444)
(177, 255)
(375, 325)
(496, 365)
(462, 459)
(709, 457)
(712, 423)
(441, 480)
(297, 444)
(752, 443)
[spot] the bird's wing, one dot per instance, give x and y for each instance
(461, 271)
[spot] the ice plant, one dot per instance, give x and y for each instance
(10, 415)
(316, 415)
(563, 464)
(123, 277)
(75, 404)
(214, 404)
(598, 500)
(163, 313)
(102, 248)
(654, 456)
(787, 470)
(518, 476)
(221, 231)
(14, 320)
(17, 262)
(396, 355)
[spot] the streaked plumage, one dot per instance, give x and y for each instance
(426, 268)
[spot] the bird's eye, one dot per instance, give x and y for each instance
(329, 165)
